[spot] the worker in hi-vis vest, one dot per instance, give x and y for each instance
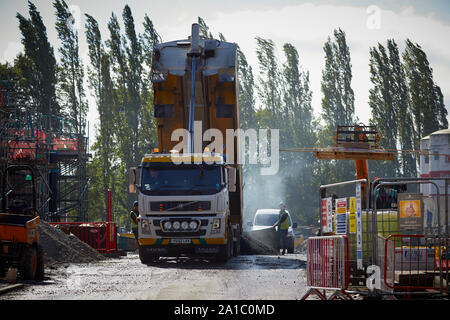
(283, 226)
(134, 214)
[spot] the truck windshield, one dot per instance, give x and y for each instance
(180, 180)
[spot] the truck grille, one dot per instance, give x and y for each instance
(203, 222)
(180, 205)
(172, 234)
(200, 231)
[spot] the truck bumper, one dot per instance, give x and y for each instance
(170, 247)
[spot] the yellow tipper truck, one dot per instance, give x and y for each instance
(190, 188)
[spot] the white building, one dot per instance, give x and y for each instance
(435, 164)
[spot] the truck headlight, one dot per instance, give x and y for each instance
(145, 226)
(184, 225)
(216, 226)
(193, 225)
(167, 225)
(176, 225)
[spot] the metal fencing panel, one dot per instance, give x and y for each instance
(397, 236)
(415, 262)
(102, 236)
(328, 267)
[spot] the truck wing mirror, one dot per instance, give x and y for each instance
(132, 180)
(232, 179)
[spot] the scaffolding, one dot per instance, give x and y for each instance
(56, 152)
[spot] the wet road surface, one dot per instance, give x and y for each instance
(247, 277)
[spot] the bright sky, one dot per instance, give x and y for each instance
(305, 24)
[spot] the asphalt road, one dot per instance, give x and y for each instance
(247, 277)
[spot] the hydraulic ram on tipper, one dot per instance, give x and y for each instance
(194, 52)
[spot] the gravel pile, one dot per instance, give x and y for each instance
(60, 247)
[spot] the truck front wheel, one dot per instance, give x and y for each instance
(226, 251)
(147, 258)
(237, 243)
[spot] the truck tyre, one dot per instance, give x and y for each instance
(28, 263)
(147, 258)
(237, 243)
(40, 263)
(226, 251)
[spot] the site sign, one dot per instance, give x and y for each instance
(352, 216)
(327, 217)
(341, 216)
(359, 256)
(410, 212)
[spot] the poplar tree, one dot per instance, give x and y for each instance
(297, 98)
(402, 105)
(71, 72)
(338, 97)
(41, 63)
(384, 112)
(428, 109)
(204, 29)
(269, 88)
(337, 104)
(149, 39)
(246, 92)
(119, 68)
(440, 106)
(133, 110)
(101, 168)
(297, 104)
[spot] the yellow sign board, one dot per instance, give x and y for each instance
(410, 213)
(410, 209)
(352, 216)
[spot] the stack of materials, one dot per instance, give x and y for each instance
(60, 247)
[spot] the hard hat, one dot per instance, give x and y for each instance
(135, 204)
(282, 204)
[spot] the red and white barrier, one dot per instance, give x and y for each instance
(328, 266)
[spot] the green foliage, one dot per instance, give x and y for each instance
(402, 105)
(338, 97)
(38, 63)
(337, 106)
(426, 104)
(71, 72)
(384, 112)
(204, 29)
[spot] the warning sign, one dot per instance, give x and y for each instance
(410, 213)
(359, 255)
(327, 218)
(352, 216)
(341, 216)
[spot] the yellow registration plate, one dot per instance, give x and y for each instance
(180, 241)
